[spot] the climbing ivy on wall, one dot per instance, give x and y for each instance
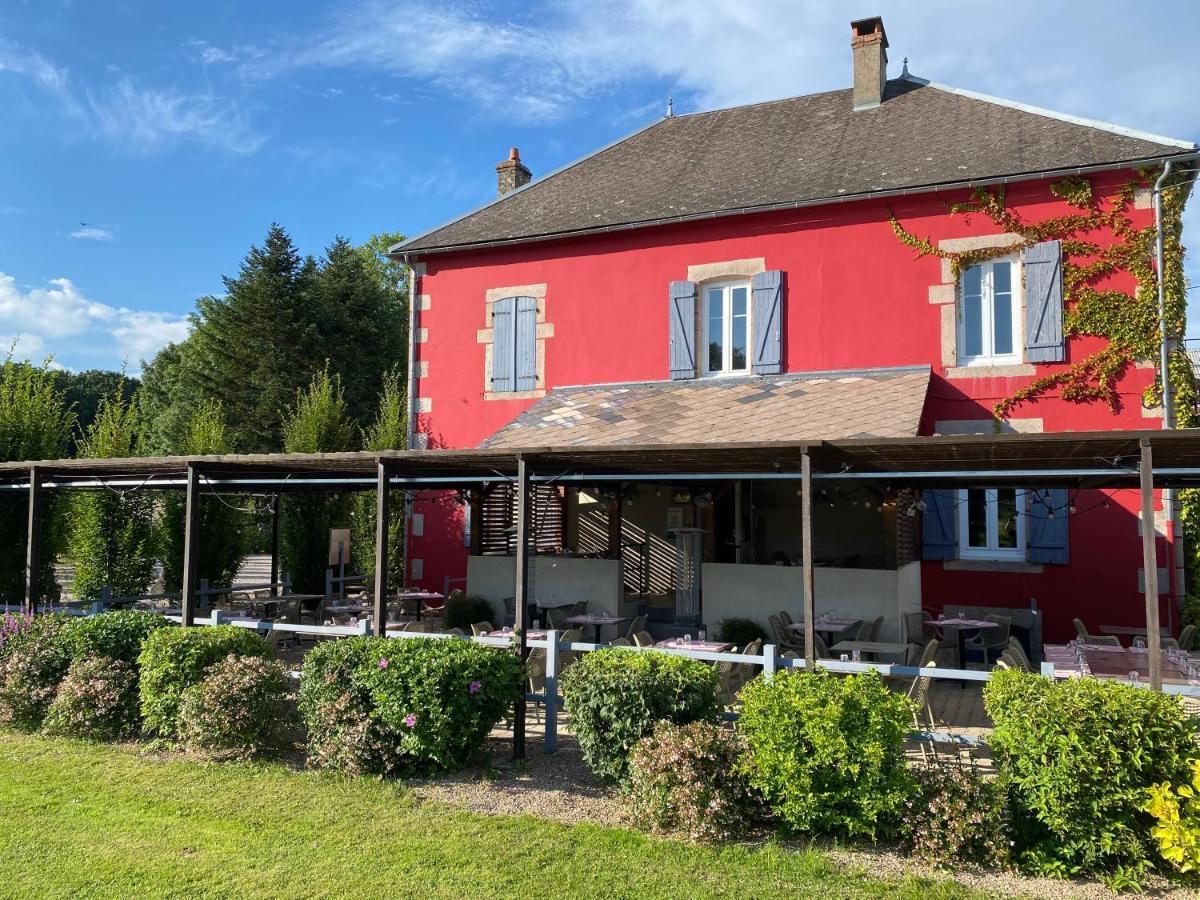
(1126, 319)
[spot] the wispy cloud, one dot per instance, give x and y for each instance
(86, 232)
(79, 329)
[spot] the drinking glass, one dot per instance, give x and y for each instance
(1139, 643)
(1133, 677)
(687, 640)
(702, 634)
(844, 658)
(856, 655)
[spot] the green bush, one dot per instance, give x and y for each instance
(238, 710)
(173, 659)
(404, 706)
(1177, 821)
(827, 752)
(463, 612)
(740, 632)
(1080, 754)
(117, 635)
(955, 816)
(616, 696)
(685, 779)
(33, 663)
(97, 700)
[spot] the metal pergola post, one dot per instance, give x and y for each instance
(810, 625)
(191, 546)
(33, 543)
(1150, 564)
(382, 521)
(521, 598)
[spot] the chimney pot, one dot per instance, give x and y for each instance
(868, 42)
(511, 174)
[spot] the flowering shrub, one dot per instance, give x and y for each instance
(403, 706)
(173, 659)
(118, 634)
(616, 696)
(955, 816)
(97, 700)
(11, 626)
(1079, 755)
(1177, 814)
(827, 752)
(685, 779)
(32, 664)
(237, 711)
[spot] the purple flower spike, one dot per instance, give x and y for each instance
(475, 686)
(410, 720)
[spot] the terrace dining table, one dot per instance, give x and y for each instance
(877, 648)
(532, 634)
(596, 621)
(1104, 661)
(961, 625)
(831, 626)
(705, 646)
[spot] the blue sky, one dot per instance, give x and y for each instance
(144, 145)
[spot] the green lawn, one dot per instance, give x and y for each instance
(83, 820)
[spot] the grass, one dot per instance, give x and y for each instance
(84, 820)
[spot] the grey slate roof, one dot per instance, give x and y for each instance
(798, 150)
(799, 407)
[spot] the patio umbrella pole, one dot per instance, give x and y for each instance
(521, 591)
(810, 653)
(33, 543)
(1150, 565)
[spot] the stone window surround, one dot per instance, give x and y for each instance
(486, 336)
(945, 295)
(718, 271)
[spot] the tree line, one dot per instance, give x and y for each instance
(300, 354)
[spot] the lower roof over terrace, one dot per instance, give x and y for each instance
(1073, 459)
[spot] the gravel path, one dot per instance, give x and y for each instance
(561, 789)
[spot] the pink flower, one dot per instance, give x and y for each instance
(410, 720)
(383, 663)
(475, 686)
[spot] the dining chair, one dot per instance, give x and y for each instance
(1191, 706)
(747, 671)
(785, 638)
(638, 624)
(923, 717)
(620, 642)
(991, 641)
(1018, 652)
(643, 639)
(479, 628)
(1187, 638)
(1080, 628)
(1101, 640)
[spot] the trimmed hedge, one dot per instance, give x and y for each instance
(118, 634)
(404, 706)
(827, 752)
(174, 659)
(616, 696)
(238, 710)
(1079, 755)
(97, 700)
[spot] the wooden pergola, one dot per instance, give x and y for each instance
(1081, 460)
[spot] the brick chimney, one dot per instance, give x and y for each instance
(869, 43)
(511, 174)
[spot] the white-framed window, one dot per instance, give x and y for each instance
(726, 327)
(989, 313)
(991, 523)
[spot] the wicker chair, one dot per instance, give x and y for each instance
(747, 671)
(479, 628)
(620, 642)
(785, 638)
(638, 624)
(923, 718)
(1080, 628)
(568, 658)
(929, 654)
(727, 673)
(1101, 640)
(1187, 638)
(1191, 706)
(869, 630)
(1018, 653)
(643, 639)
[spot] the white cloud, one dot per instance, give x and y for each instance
(60, 319)
(94, 233)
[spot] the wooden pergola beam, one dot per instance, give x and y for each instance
(383, 512)
(1150, 563)
(521, 599)
(191, 546)
(33, 543)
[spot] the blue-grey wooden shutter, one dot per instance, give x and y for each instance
(937, 526)
(767, 322)
(504, 324)
(526, 340)
(1046, 536)
(683, 329)
(1044, 303)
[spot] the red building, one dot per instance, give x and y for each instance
(741, 275)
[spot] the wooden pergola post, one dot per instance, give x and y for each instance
(191, 546)
(810, 634)
(475, 518)
(521, 598)
(383, 517)
(275, 546)
(33, 543)
(1150, 564)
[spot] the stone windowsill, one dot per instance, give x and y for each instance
(1010, 371)
(992, 565)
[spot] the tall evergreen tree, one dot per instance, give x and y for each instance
(111, 532)
(35, 423)
(316, 423)
(387, 432)
(224, 520)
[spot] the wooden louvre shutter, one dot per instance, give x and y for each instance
(498, 517)
(1044, 340)
(1046, 535)
(767, 321)
(683, 329)
(937, 525)
(549, 518)
(504, 326)
(526, 341)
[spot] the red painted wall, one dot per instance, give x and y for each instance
(855, 298)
